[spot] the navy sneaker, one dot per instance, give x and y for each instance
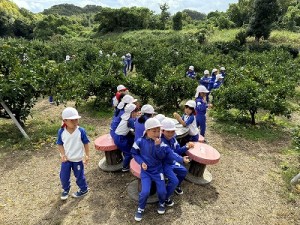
(79, 193)
(178, 191)
(169, 202)
(125, 169)
(139, 214)
(161, 208)
(64, 195)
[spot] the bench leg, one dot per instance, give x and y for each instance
(198, 174)
(113, 157)
(112, 161)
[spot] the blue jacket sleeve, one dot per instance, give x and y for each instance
(135, 151)
(170, 155)
(179, 150)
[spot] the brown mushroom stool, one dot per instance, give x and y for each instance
(135, 186)
(201, 155)
(113, 157)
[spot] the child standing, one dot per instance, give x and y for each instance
(73, 146)
(188, 120)
(191, 72)
(174, 170)
(123, 138)
(201, 107)
(147, 152)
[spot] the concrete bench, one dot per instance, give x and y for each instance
(113, 157)
(135, 186)
(201, 155)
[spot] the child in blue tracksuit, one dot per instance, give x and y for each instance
(147, 111)
(174, 170)
(206, 81)
(73, 146)
(223, 72)
(201, 107)
(149, 151)
(219, 81)
(189, 120)
(128, 61)
(127, 99)
(123, 138)
(124, 62)
(191, 72)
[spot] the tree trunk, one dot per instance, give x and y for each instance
(252, 113)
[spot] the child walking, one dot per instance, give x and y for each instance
(73, 146)
(147, 152)
(188, 120)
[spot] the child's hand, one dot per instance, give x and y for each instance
(144, 166)
(190, 145)
(157, 141)
(64, 158)
(176, 115)
(86, 160)
(186, 159)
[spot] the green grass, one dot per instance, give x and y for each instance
(239, 125)
(222, 35)
(285, 37)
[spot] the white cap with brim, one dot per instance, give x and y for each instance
(219, 76)
(70, 113)
(160, 117)
(128, 110)
(206, 72)
(121, 88)
(127, 99)
(201, 89)
(191, 103)
(152, 123)
(222, 68)
(214, 70)
(191, 68)
(168, 124)
(147, 109)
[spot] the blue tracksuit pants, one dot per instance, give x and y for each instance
(175, 174)
(78, 170)
(201, 122)
(124, 143)
(146, 178)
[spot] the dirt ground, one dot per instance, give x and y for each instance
(247, 187)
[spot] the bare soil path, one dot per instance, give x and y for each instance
(247, 187)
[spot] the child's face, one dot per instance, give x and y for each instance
(72, 124)
(188, 110)
(153, 133)
(202, 94)
(168, 134)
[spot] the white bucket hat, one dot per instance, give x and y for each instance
(206, 72)
(70, 113)
(214, 70)
(147, 109)
(168, 124)
(152, 123)
(191, 103)
(222, 68)
(160, 117)
(128, 110)
(201, 89)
